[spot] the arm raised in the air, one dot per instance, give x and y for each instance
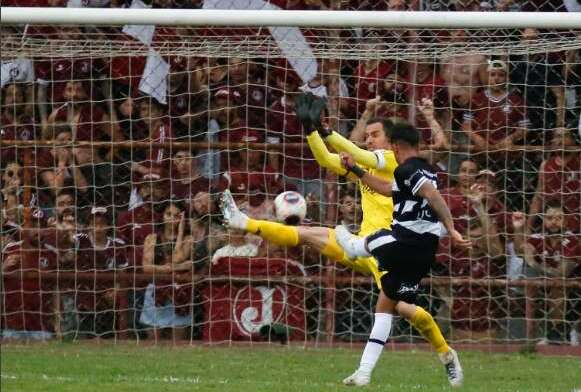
(360, 155)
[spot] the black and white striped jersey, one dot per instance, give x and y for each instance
(414, 221)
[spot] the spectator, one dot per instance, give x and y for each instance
(369, 75)
(252, 180)
(471, 181)
(473, 307)
(188, 180)
(16, 122)
(137, 223)
(350, 211)
(207, 231)
(423, 81)
(553, 253)
(168, 250)
(65, 208)
(154, 115)
(462, 73)
(26, 307)
(559, 180)
(539, 79)
(11, 194)
(496, 122)
(64, 172)
(97, 302)
(497, 118)
(87, 120)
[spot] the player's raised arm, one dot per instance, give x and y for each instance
(438, 204)
(309, 110)
(378, 184)
(373, 159)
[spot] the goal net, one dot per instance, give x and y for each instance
(117, 142)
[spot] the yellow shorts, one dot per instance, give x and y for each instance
(365, 265)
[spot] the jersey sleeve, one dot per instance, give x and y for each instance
(388, 157)
(410, 178)
(363, 157)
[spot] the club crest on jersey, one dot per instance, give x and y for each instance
(257, 306)
(507, 108)
(257, 95)
(43, 261)
(14, 72)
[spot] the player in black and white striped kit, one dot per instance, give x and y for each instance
(407, 251)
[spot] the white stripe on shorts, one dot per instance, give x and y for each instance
(383, 240)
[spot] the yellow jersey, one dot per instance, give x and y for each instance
(377, 208)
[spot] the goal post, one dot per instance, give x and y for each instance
(252, 18)
(131, 122)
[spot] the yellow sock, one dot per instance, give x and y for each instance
(424, 323)
(274, 232)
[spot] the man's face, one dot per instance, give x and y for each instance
(12, 176)
(467, 172)
(349, 208)
(183, 161)
(530, 34)
(375, 138)
(171, 215)
(237, 69)
(74, 92)
(553, 220)
(497, 79)
(65, 206)
(100, 223)
(148, 111)
(202, 203)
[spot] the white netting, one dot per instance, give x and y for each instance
(153, 122)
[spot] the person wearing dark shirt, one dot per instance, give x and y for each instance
(407, 251)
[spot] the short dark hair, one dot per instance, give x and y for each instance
(404, 132)
(384, 121)
(556, 204)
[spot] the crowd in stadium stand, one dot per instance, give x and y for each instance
(155, 208)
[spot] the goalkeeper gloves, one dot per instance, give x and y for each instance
(308, 109)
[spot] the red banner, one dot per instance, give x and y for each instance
(238, 311)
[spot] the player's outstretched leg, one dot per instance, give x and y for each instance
(272, 231)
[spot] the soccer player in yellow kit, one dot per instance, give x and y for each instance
(377, 209)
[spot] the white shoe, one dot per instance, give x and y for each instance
(233, 217)
(453, 368)
(358, 379)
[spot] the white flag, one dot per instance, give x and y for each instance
(290, 40)
(572, 5)
(17, 70)
(154, 79)
(142, 33)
